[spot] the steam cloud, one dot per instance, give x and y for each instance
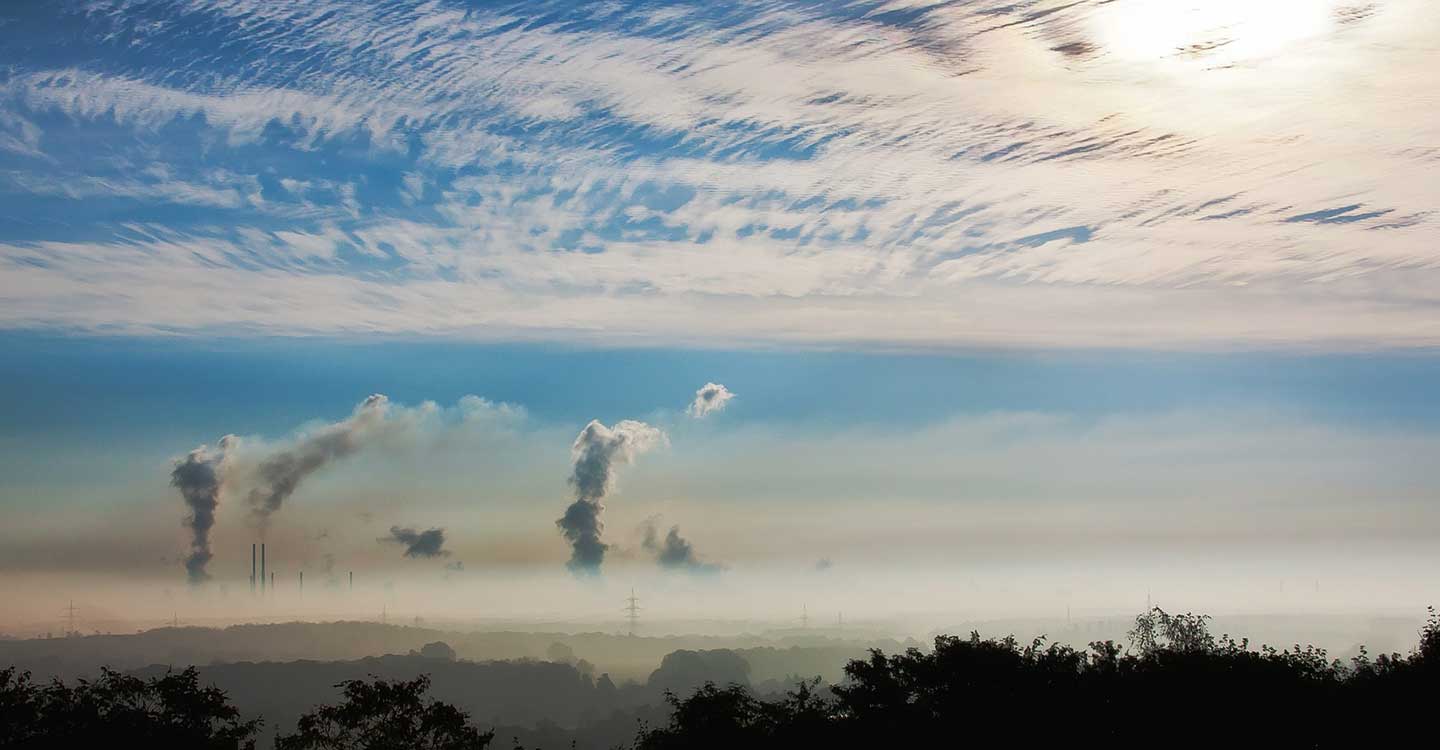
(428, 543)
(711, 397)
(675, 552)
(268, 476)
(200, 478)
(280, 474)
(597, 452)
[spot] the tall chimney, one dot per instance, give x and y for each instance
(352, 580)
(272, 583)
(302, 583)
(262, 567)
(252, 568)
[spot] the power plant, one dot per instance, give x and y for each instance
(261, 578)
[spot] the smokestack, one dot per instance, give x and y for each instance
(352, 580)
(272, 583)
(252, 568)
(302, 583)
(262, 568)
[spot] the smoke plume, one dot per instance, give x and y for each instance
(711, 397)
(675, 552)
(200, 478)
(426, 543)
(597, 452)
(280, 474)
(266, 474)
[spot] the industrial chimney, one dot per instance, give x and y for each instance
(252, 568)
(262, 567)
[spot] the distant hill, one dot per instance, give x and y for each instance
(625, 658)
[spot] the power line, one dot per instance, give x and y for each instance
(632, 611)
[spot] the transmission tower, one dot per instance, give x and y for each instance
(70, 619)
(632, 611)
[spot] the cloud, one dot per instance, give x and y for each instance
(598, 451)
(711, 397)
(428, 543)
(810, 150)
(674, 552)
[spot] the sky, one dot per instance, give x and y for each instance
(1012, 298)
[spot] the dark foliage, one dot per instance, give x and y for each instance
(1176, 686)
(385, 715)
(170, 711)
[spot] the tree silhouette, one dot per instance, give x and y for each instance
(730, 717)
(1159, 630)
(1176, 686)
(384, 715)
(171, 711)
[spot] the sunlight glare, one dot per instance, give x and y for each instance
(1211, 32)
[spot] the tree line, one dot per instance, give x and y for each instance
(1175, 684)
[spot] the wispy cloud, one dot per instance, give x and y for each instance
(998, 173)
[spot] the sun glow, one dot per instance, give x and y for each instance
(1211, 32)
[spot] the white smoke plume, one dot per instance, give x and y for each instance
(597, 452)
(267, 475)
(711, 397)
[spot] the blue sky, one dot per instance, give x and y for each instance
(201, 386)
(1134, 174)
(1150, 266)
